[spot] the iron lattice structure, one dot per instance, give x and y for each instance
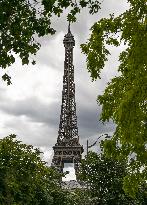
(67, 149)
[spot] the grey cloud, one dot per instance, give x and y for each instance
(51, 53)
(31, 133)
(49, 114)
(32, 108)
(90, 124)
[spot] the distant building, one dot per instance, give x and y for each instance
(73, 184)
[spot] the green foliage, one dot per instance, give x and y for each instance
(24, 177)
(23, 21)
(67, 197)
(105, 179)
(57, 6)
(125, 98)
(7, 78)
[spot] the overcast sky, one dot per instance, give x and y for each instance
(30, 107)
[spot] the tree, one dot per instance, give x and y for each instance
(125, 98)
(105, 180)
(72, 197)
(142, 194)
(23, 21)
(24, 177)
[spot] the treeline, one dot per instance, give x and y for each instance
(26, 180)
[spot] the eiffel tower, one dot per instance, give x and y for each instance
(68, 149)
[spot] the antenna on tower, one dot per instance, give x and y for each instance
(69, 28)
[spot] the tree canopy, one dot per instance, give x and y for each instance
(125, 98)
(105, 181)
(24, 177)
(23, 21)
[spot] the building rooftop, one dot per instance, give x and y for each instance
(73, 184)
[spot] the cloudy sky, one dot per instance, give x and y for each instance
(30, 107)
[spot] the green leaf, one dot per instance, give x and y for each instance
(7, 78)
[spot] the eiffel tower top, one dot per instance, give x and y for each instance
(69, 39)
